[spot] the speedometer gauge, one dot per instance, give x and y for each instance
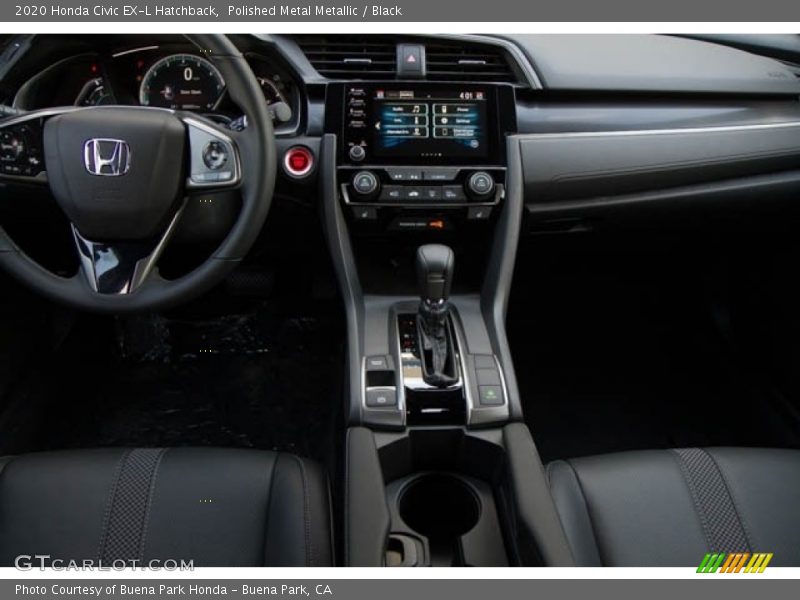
(183, 82)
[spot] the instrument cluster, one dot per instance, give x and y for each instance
(165, 76)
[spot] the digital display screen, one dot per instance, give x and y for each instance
(427, 124)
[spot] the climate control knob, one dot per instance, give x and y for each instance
(365, 183)
(480, 185)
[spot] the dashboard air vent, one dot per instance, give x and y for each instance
(458, 61)
(350, 57)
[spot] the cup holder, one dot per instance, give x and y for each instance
(440, 507)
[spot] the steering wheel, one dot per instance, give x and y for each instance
(121, 174)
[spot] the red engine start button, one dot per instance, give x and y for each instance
(298, 161)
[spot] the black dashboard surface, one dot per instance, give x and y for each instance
(652, 63)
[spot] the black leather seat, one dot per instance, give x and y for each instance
(217, 507)
(670, 507)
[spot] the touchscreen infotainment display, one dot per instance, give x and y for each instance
(424, 124)
(419, 123)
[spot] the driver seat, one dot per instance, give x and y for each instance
(215, 507)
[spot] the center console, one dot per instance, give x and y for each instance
(422, 207)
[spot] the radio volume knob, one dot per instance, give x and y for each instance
(357, 153)
(480, 185)
(365, 183)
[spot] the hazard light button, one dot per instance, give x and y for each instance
(410, 60)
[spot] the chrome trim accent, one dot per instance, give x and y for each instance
(119, 163)
(134, 50)
(312, 162)
(141, 268)
(409, 307)
(672, 131)
(40, 114)
(213, 132)
(517, 54)
(422, 385)
(60, 110)
(144, 267)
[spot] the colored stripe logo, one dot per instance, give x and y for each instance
(737, 562)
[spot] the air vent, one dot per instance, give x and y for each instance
(350, 57)
(468, 62)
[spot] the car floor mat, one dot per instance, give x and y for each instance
(264, 379)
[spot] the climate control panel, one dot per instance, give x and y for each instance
(420, 199)
(420, 187)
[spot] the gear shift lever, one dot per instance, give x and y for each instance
(435, 265)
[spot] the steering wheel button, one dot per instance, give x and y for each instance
(215, 155)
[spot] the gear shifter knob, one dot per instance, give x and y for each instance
(435, 264)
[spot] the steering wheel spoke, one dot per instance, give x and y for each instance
(214, 161)
(120, 267)
(22, 145)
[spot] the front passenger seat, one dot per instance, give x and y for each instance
(216, 507)
(663, 508)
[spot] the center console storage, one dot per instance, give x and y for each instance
(439, 490)
(449, 497)
(450, 519)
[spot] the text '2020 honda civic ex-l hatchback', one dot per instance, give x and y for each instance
(399, 300)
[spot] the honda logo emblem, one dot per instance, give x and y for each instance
(103, 156)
